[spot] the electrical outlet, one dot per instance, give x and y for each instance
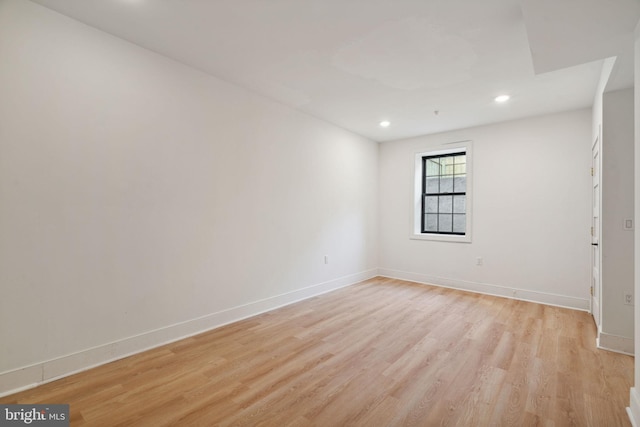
(479, 260)
(628, 299)
(326, 259)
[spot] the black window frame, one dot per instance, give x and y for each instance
(424, 193)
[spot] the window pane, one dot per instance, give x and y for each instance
(460, 160)
(431, 222)
(446, 184)
(445, 222)
(433, 167)
(447, 160)
(459, 223)
(432, 185)
(460, 204)
(431, 204)
(460, 169)
(446, 204)
(460, 184)
(447, 165)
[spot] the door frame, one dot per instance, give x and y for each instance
(596, 230)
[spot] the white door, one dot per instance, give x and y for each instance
(595, 233)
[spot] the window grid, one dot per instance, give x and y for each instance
(444, 194)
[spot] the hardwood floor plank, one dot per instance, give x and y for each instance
(379, 353)
(541, 389)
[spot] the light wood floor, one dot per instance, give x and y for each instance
(380, 353)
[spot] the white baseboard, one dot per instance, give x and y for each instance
(485, 288)
(634, 407)
(31, 376)
(615, 343)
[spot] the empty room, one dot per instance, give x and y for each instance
(319, 212)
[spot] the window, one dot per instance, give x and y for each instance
(442, 194)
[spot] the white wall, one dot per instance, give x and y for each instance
(617, 198)
(531, 212)
(142, 200)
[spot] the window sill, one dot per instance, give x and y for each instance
(441, 237)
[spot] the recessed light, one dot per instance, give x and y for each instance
(385, 123)
(502, 98)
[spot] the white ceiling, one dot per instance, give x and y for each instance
(356, 62)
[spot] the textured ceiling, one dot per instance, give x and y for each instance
(356, 62)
